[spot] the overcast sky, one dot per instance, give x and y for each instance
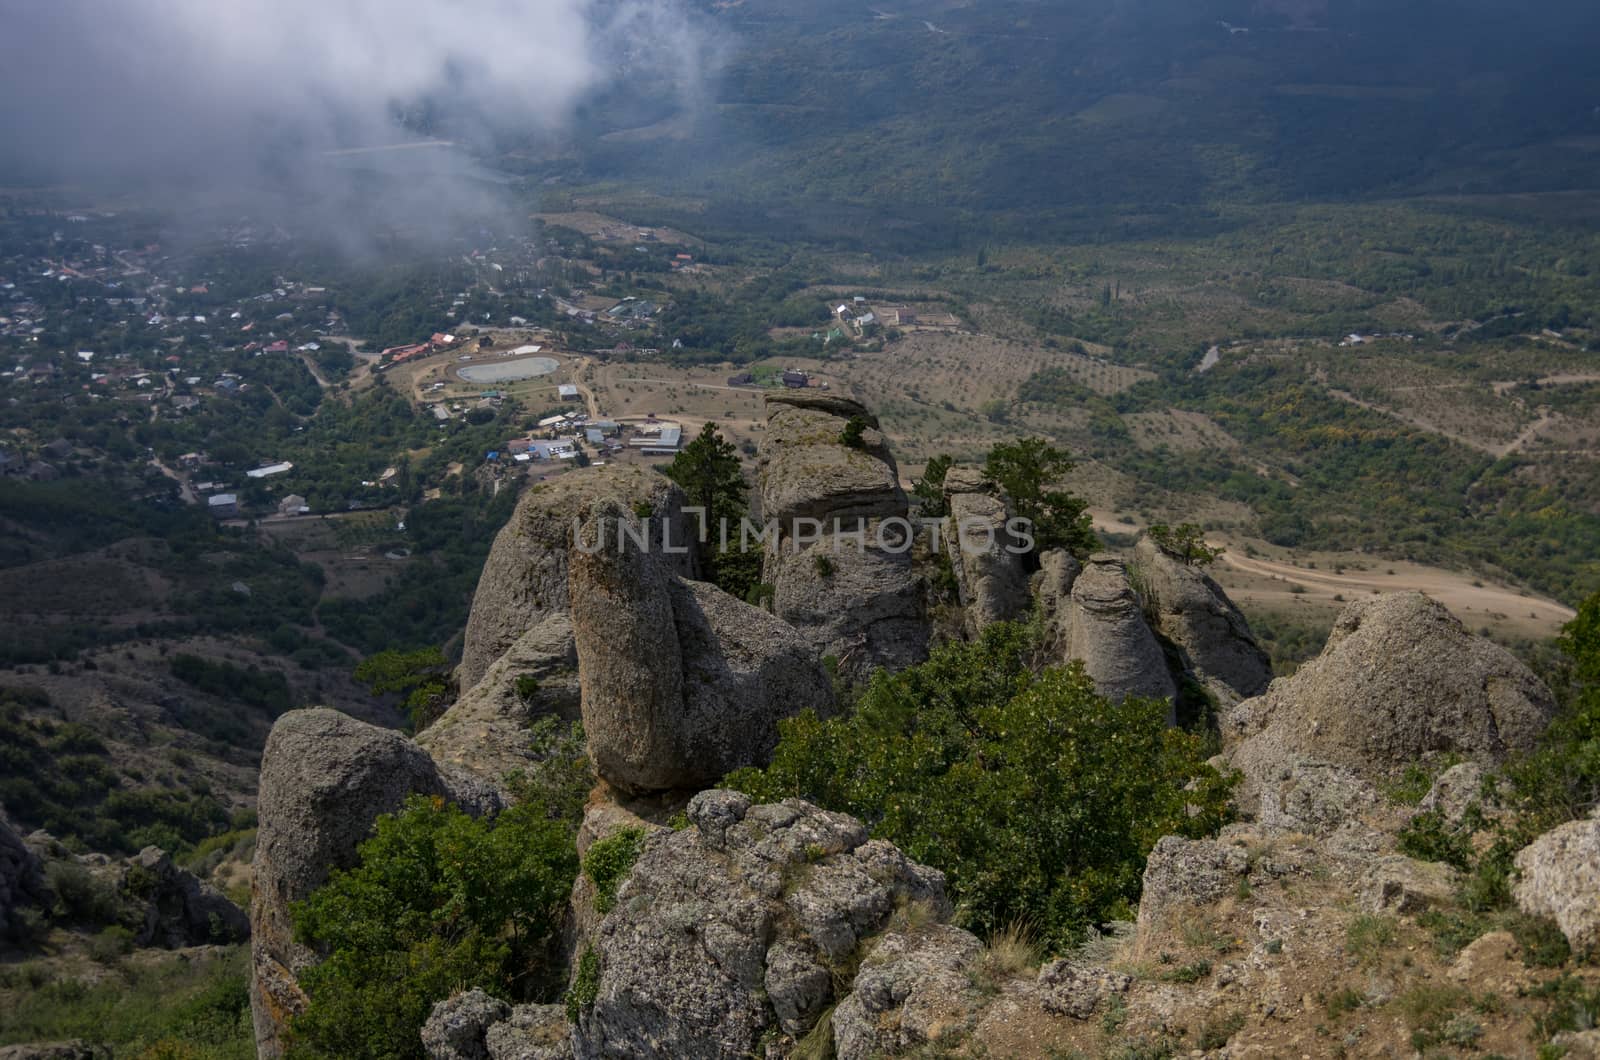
(213, 93)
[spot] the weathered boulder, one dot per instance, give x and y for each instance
(324, 778)
(1454, 791)
(1560, 878)
(1052, 584)
(681, 683)
(1076, 989)
(72, 1050)
(863, 607)
(484, 730)
(1187, 872)
(1399, 679)
(1193, 612)
(524, 580)
(180, 909)
(1105, 629)
(807, 472)
(732, 927)
(911, 990)
(456, 1026)
(990, 576)
(475, 1026)
(21, 878)
(1398, 884)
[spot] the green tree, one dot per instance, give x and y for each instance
(1028, 471)
(1037, 797)
(440, 901)
(1186, 543)
(1561, 780)
(929, 489)
(422, 677)
(708, 470)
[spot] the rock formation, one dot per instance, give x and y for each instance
(475, 1026)
(180, 909)
(1400, 679)
(524, 580)
(1103, 627)
(1560, 878)
(681, 683)
(991, 579)
(735, 927)
(839, 575)
(1195, 614)
(324, 778)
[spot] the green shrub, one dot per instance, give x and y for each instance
(111, 944)
(80, 898)
(608, 861)
(439, 902)
(585, 984)
(1429, 837)
(1039, 799)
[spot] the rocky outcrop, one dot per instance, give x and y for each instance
(73, 1050)
(681, 683)
(910, 991)
(861, 606)
(475, 1026)
(483, 731)
(1400, 679)
(808, 473)
(990, 577)
(524, 580)
(839, 571)
(735, 927)
(180, 909)
(1193, 612)
(21, 878)
(1398, 884)
(1455, 791)
(1560, 878)
(324, 778)
(1181, 873)
(1104, 628)
(1052, 585)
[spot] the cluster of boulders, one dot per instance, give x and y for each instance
(160, 903)
(752, 924)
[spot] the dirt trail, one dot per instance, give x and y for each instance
(1455, 591)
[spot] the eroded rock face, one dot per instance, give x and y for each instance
(483, 731)
(681, 683)
(1560, 878)
(1052, 585)
(731, 927)
(808, 473)
(1400, 679)
(524, 580)
(1104, 628)
(1188, 872)
(862, 607)
(838, 573)
(1195, 614)
(324, 778)
(992, 581)
(909, 991)
(180, 908)
(475, 1026)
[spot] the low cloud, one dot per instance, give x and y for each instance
(270, 104)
